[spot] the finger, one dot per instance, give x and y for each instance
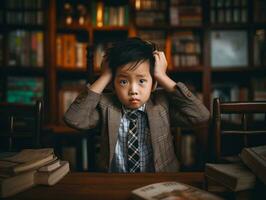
(157, 57)
(163, 55)
(155, 53)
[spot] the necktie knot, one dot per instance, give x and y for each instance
(133, 116)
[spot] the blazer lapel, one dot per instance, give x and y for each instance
(154, 125)
(114, 117)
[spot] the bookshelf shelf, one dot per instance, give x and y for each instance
(231, 69)
(22, 71)
(153, 27)
(71, 70)
(73, 28)
(229, 26)
(111, 28)
(258, 25)
(238, 69)
(184, 27)
(72, 74)
(187, 69)
(23, 27)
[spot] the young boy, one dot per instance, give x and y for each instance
(135, 120)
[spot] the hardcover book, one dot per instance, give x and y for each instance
(52, 177)
(10, 185)
(171, 190)
(255, 159)
(27, 159)
(236, 176)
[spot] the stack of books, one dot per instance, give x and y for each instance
(28, 168)
(241, 176)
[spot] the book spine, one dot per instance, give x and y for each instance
(84, 152)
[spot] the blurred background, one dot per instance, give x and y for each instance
(49, 49)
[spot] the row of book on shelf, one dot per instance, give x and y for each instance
(228, 48)
(24, 4)
(152, 12)
(182, 13)
(108, 15)
(99, 14)
(186, 48)
(30, 167)
(70, 53)
(233, 92)
(24, 17)
(29, 89)
(25, 48)
(229, 11)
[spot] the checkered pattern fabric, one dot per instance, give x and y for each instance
(133, 145)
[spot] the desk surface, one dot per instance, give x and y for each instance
(97, 186)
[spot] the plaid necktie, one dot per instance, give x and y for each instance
(133, 160)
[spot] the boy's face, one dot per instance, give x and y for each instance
(133, 86)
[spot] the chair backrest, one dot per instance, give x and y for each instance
(20, 126)
(242, 123)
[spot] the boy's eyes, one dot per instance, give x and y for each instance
(123, 82)
(142, 81)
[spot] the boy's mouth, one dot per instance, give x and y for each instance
(133, 100)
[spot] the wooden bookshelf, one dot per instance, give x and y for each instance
(202, 75)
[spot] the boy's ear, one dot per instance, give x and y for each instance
(154, 86)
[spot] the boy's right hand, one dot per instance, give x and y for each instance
(105, 78)
(106, 71)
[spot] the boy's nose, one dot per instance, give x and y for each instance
(133, 90)
(133, 93)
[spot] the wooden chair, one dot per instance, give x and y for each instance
(20, 126)
(248, 131)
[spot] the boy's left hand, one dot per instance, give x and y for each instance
(160, 64)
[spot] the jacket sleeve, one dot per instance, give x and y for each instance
(185, 108)
(83, 113)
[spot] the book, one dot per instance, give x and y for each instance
(25, 160)
(10, 185)
(50, 166)
(235, 176)
(255, 159)
(171, 190)
(24, 90)
(52, 177)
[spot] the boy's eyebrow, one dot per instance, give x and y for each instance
(126, 75)
(140, 75)
(122, 75)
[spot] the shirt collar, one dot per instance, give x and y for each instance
(126, 110)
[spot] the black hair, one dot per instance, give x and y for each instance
(132, 50)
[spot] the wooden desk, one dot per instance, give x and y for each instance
(98, 186)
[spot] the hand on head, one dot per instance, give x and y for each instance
(160, 64)
(105, 69)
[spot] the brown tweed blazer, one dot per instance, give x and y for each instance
(180, 108)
